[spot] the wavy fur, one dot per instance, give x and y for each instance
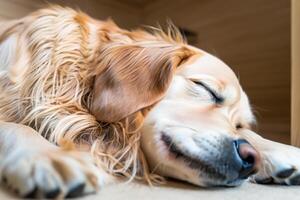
(65, 73)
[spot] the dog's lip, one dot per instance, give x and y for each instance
(191, 161)
(171, 147)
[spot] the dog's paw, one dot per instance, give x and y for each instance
(50, 174)
(280, 166)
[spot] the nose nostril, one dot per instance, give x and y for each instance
(250, 159)
(246, 151)
(248, 156)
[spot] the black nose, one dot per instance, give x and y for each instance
(249, 158)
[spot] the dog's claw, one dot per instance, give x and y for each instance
(295, 180)
(285, 173)
(53, 194)
(268, 180)
(76, 191)
(32, 194)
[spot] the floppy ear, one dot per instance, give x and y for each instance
(133, 76)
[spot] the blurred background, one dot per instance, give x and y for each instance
(251, 36)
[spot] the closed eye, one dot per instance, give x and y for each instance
(239, 126)
(218, 99)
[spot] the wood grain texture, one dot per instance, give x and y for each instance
(296, 73)
(253, 37)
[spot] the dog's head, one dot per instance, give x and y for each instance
(197, 107)
(193, 134)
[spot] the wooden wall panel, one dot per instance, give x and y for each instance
(124, 15)
(253, 37)
(296, 72)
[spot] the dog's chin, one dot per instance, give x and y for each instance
(202, 174)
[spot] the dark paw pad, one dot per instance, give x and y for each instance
(295, 180)
(76, 191)
(31, 194)
(285, 173)
(52, 194)
(269, 180)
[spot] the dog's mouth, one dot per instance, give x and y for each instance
(190, 160)
(214, 176)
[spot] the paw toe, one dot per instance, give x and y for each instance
(53, 194)
(32, 194)
(76, 191)
(295, 180)
(268, 180)
(285, 173)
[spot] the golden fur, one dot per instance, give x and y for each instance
(75, 78)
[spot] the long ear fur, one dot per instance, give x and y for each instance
(64, 79)
(134, 70)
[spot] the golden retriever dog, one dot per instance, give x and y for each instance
(84, 103)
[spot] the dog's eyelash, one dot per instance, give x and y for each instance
(217, 98)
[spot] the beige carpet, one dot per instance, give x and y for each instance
(181, 191)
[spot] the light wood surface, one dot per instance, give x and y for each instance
(184, 191)
(296, 72)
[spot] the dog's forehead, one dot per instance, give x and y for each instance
(206, 64)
